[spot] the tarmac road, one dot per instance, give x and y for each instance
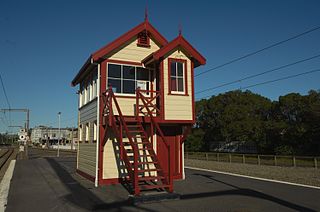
(50, 184)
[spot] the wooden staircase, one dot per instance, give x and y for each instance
(144, 169)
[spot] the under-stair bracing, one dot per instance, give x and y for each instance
(144, 169)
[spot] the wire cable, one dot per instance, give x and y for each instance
(259, 74)
(258, 51)
(274, 80)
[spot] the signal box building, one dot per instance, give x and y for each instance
(136, 107)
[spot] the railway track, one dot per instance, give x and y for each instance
(5, 156)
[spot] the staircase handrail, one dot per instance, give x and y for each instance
(155, 123)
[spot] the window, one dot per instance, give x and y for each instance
(126, 79)
(80, 133)
(88, 92)
(143, 39)
(80, 98)
(94, 87)
(87, 132)
(177, 76)
(95, 131)
(82, 95)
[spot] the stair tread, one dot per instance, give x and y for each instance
(149, 178)
(148, 170)
(147, 162)
(145, 187)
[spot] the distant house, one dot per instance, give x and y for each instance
(136, 106)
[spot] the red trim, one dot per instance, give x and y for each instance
(110, 181)
(127, 36)
(103, 82)
(180, 41)
(85, 175)
(162, 109)
(124, 62)
(192, 93)
(185, 62)
(176, 121)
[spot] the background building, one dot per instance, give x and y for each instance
(48, 137)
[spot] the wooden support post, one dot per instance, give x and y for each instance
(229, 158)
(218, 157)
(243, 158)
(294, 161)
(207, 158)
(275, 160)
(259, 160)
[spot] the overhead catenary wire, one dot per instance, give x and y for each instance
(258, 74)
(274, 80)
(258, 51)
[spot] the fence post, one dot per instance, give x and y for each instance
(275, 160)
(259, 160)
(229, 158)
(207, 158)
(243, 158)
(218, 157)
(315, 163)
(294, 161)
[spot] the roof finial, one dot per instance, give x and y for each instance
(180, 29)
(146, 12)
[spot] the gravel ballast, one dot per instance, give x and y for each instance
(307, 176)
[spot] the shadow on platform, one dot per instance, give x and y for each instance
(242, 192)
(84, 198)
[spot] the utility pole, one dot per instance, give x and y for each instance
(59, 114)
(72, 138)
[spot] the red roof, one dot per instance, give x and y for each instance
(129, 35)
(165, 48)
(98, 55)
(181, 42)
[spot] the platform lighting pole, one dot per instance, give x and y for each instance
(59, 114)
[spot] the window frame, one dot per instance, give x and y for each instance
(185, 77)
(149, 87)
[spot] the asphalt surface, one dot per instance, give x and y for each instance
(50, 184)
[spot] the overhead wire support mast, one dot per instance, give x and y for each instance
(258, 51)
(259, 74)
(27, 111)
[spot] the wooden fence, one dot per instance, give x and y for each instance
(273, 160)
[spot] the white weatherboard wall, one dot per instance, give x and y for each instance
(177, 107)
(87, 151)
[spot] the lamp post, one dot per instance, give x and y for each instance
(58, 153)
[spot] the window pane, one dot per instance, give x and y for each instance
(180, 69)
(129, 86)
(142, 74)
(129, 72)
(173, 84)
(116, 85)
(180, 84)
(173, 68)
(114, 70)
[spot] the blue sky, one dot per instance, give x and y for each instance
(44, 43)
